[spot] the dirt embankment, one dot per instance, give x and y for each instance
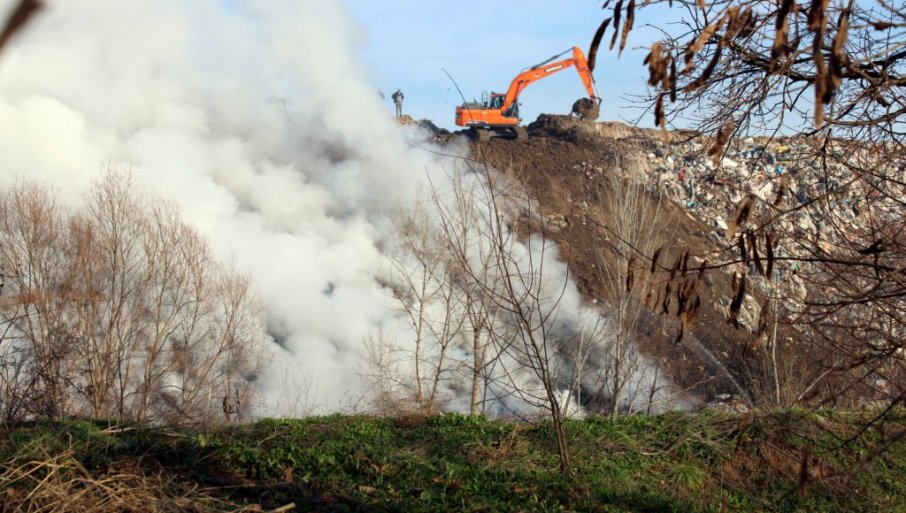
(564, 166)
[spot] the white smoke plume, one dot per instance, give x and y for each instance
(258, 119)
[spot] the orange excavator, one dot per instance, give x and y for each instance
(498, 114)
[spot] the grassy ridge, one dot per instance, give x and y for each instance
(671, 463)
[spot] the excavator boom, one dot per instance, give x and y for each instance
(502, 109)
(546, 69)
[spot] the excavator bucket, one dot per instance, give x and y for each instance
(587, 109)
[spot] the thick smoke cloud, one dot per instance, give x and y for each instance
(259, 120)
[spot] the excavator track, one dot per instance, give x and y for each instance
(481, 134)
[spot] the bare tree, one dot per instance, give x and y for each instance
(119, 311)
(37, 340)
(460, 216)
(828, 75)
(636, 226)
(448, 317)
(432, 305)
(832, 71)
(524, 300)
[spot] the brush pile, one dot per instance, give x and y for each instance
(36, 481)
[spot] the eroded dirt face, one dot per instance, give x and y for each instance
(564, 167)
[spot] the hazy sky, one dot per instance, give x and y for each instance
(483, 45)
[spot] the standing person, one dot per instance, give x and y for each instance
(398, 101)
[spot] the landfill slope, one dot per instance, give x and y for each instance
(563, 167)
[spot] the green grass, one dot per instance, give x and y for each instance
(670, 463)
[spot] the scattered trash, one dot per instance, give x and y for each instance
(771, 172)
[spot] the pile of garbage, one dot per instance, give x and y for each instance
(780, 174)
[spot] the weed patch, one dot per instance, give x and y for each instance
(676, 462)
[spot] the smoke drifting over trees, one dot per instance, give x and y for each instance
(119, 311)
(241, 117)
(259, 122)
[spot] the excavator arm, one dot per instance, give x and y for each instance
(546, 69)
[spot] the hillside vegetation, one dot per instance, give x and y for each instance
(710, 462)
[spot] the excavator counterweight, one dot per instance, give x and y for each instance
(498, 113)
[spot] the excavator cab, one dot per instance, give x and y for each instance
(513, 111)
(497, 102)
